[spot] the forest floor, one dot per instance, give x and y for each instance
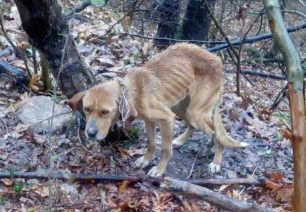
(247, 118)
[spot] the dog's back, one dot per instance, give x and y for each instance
(180, 68)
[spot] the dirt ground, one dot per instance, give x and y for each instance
(246, 118)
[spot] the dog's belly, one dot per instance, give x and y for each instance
(175, 84)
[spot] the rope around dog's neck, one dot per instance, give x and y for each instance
(124, 106)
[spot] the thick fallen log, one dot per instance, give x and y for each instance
(212, 197)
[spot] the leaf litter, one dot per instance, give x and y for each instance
(246, 118)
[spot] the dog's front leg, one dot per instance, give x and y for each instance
(144, 161)
(166, 130)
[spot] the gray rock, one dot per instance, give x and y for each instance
(106, 62)
(37, 112)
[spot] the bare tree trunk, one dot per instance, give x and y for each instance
(196, 21)
(297, 101)
(47, 29)
(169, 13)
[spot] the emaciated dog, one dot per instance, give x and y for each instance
(183, 80)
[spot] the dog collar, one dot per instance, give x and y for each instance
(124, 106)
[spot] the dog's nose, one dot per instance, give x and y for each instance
(91, 132)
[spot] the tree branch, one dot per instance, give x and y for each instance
(77, 9)
(173, 39)
(43, 175)
(212, 197)
(123, 17)
(223, 44)
(264, 75)
(254, 39)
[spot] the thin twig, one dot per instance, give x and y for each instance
(123, 17)
(53, 112)
(193, 163)
(239, 54)
(253, 173)
(279, 97)
(230, 45)
(302, 3)
(34, 60)
(172, 39)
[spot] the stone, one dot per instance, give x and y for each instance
(105, 62)
(37, 112)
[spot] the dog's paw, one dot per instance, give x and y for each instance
(243, 144)
(176, 143)
(154, 172)
(214, 168)
(141, 163)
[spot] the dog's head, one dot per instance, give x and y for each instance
(101, 107)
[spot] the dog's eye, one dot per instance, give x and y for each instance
(104, 112)
(86, 109)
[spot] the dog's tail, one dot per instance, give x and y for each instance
(221, 134)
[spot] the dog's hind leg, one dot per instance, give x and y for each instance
(183, 138)
(144, 161)
(204, 122)
(215, 166)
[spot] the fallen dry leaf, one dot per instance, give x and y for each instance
(123, 186)
(133, 151)
(271, 185)
(7, 182)
(42, 191)
(35, 83)
(284, 194)
(286, 133)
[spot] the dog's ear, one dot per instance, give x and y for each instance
(73, 102)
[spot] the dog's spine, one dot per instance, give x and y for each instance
(221, 134)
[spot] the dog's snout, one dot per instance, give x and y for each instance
(91, 132)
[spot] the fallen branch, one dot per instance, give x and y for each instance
(77, 9)
(13, 72)
(173, 39)
(7, 51)
(219, 200)
(223, 44)
(43, 175)
(177, 186)
(264, 75)
(16, 50)
(254, 39)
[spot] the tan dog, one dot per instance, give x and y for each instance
(183, 80)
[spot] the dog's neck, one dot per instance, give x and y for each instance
(126, 107)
